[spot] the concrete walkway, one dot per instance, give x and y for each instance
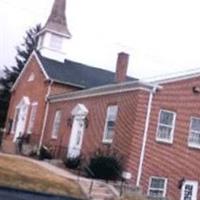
(100, 190)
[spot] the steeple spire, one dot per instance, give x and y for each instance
(57, 20)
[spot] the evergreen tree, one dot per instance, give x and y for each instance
(11, 73)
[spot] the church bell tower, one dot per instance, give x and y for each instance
(54, 36)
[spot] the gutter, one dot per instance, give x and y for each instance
(139, 174)
(103, 90)
(45, 115)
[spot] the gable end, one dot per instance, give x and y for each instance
(33, 54)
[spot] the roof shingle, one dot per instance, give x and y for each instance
(77, 74)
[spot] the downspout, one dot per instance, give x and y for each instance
(145, 136)
(45, 115)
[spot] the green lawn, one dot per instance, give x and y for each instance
(22, 174)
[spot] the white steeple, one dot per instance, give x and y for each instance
(54, 36)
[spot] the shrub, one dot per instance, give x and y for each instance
(73, 162)
(44, 153)
(105, 165)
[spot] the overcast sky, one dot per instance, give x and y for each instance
(161, 36)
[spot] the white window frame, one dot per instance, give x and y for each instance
(165, 185)
(56, 124)
(158, 139)
(189, 143)
(190, 182)
(13, 129)
(56, 42)
(32, 117)
(105, 139)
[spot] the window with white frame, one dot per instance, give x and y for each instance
(194, 132)
(157, 187)
(32, 117)
(15, 120)
(166, 125)
(56, 42)
(56, 124)
(110, 123)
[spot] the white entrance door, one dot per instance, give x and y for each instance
(189, 190)
(20, 119)
(76, 138)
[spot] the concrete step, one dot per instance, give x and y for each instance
(100, 190)
(99, 194)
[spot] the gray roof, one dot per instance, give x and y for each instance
(77, 74)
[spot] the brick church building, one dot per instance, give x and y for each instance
(77, 108)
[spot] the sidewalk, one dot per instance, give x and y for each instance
(100, 190)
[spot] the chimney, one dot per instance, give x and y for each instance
(121, 67)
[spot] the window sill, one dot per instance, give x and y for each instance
(107, 141)
(164, 141)
(54, 138)
(193, 146)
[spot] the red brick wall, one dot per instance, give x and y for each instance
(36, 91)
(61, 88)
(177, 160)
(128, 131)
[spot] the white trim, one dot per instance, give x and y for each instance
(165, 184)
(74, 149)
(108, 89)
(106, 141)
(80, 110)
(177, 78)
(169, 141)
(195, 192)
(192, 145)
(55, 32)
(139, 174)
(23, 102)
(45, 116)
(41, 66)
(26, 66)
(81, 96)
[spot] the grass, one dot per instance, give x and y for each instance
(21, 174)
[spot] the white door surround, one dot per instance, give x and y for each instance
(77, 133)
(189, 190)
(21, 113)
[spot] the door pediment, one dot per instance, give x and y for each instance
(24, 101)
(79, 110)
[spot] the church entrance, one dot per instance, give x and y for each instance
(19, 122)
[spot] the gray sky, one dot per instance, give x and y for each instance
(162, 36)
